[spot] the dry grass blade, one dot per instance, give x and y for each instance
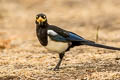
(97, 33)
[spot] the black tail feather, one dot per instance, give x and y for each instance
(90, 43)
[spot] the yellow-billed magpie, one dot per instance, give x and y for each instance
(59, 40)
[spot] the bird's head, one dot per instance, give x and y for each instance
(41, 19)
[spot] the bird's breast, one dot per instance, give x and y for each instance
(42, 35)
(56, 46)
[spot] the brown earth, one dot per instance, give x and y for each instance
(23, 58)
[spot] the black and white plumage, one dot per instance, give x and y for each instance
(59, 40)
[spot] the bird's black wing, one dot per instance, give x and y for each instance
(67, 36)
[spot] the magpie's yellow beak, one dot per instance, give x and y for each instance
(40, 19)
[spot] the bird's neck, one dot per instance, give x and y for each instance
(41, 27)
(44, 25)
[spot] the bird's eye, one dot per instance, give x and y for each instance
(44, 17)
(37, 17)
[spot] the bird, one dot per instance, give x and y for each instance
(56, 39)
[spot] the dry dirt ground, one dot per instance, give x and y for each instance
(23, 58)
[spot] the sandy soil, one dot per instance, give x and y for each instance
(23, 58)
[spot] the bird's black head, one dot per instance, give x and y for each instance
(41, 19)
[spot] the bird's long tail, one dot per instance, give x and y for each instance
(90, 43)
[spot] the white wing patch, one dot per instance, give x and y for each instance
(51, 32)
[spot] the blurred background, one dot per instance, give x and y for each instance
(17, 17)
(18, 29)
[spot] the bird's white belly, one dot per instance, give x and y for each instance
(55, 46)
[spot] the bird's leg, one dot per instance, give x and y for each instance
(61, 55)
